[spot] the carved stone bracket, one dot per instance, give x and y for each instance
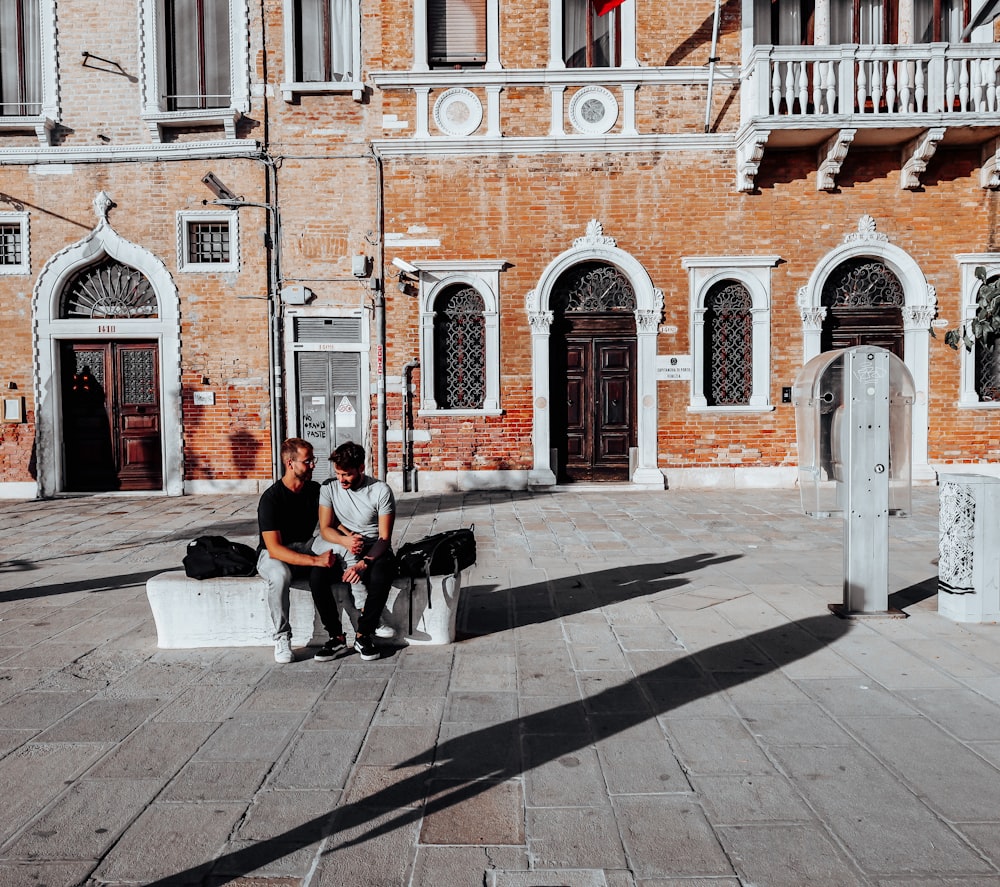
(831, 157)
(749, 154)
(989, 175)
(812, 318)
(916, 155)
(541, 321)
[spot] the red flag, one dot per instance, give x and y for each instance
(603, 7)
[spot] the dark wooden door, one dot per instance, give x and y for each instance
(592, 384)
(111, 416)
(879, 325)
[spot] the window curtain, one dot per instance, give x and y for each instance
(841, 20)
(20, 58)
(324, 41)
(575, 19)
(197, 53)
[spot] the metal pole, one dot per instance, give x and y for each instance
(379, 286)
(712, 59)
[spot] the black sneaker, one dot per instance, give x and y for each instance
(330, 649)
(366, 647)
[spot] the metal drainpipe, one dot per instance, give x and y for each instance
(409, 469)
(379, 286)
(712, 59)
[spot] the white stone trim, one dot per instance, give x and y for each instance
(969, 286)
(420, 59)
(184, 219)
(157, 117)
(207, 150)
(292, 88)
(753, 272)
(649, 311)
(44, 122)
(21, 219)
(919, 309)
(484, 277)
(49, 330)
(18, 490)
(628, 36)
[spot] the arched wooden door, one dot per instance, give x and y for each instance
(592, 374)
(864, 301)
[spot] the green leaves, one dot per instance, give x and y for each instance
(983, 328)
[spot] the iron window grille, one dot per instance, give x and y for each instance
(111, 290)
(208, 243)
(593, 287)
(460, 350)
(863, 283)
(729, 340)
(11, 251)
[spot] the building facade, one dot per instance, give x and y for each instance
(501, 245)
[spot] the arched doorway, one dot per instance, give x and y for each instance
(596, 247)
(864, 301)
(108, 368)
(593, 372)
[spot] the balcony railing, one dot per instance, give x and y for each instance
(805, 82)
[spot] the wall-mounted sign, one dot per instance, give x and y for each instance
(204, 398)
(673, 367)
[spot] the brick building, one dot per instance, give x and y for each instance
(501, 244)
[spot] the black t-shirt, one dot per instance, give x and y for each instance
(294, 515)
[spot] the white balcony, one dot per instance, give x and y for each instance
(916, 97)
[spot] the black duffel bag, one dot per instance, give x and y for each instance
(211, 556)
(442, 554)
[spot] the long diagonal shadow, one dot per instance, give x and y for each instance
(460, 761)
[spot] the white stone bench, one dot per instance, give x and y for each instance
(232, 612)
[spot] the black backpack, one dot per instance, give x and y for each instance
(438, 555)
(211, 556)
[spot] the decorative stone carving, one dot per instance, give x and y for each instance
(594, 237)
(956, 523)
(748, 157)
(920, 151)
(831, 158)
(458, 112)
(866, 232)
(593, 110)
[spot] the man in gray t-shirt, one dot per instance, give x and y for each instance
(356, 517)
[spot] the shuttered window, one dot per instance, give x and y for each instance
(456, 33)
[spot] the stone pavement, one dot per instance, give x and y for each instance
(647, 691)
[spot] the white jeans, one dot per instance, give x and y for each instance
(279, 576)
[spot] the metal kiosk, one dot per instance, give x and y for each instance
(853, 411)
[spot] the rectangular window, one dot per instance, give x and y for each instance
(195, 57)
(456, 33)
(324, 41)
(939, 21)
(868, 22)
(784, 22)
(207, 241)
(20, 59)
(590, 40)
(10, 245)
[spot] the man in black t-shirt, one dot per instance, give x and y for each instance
(286, 516)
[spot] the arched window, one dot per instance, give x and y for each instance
(729, 345)
(593, 287)
(108, 289)
(459, 349)
(987, 369)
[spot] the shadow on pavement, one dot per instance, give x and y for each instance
(102, 583)
(914, 594)
(472, 763)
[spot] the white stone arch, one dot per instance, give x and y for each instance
(483, 277)
(596, 247)
(919, 309)
(50, 330)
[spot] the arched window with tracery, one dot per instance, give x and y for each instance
(110, 290)
(459, 349)
(728, 345)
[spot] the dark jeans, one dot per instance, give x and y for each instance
(332, 596)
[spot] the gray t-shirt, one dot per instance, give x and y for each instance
(359, 510)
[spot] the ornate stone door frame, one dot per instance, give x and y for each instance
(596, 247)
(50, 330)
(918, 311)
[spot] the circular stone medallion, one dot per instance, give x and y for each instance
(458, 112)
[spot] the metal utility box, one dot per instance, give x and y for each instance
(825, 445)
(969, 548)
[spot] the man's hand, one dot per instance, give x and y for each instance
(355, 571)
(357, 543)
(325, 559)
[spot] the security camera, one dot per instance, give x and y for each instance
(405, 266)
(211, 181)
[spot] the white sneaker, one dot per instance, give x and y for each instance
(385, 631)
(283, 650)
